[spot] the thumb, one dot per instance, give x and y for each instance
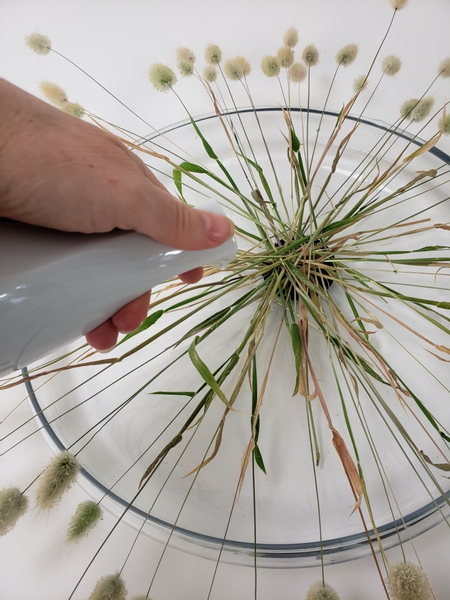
(181, 226)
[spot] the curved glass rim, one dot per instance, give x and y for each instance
(337, 549)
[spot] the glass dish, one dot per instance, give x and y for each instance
(115, 421)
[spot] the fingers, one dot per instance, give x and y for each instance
(192, 276)
(127, 319)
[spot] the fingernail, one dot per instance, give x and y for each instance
(107, 350)
(218, 228)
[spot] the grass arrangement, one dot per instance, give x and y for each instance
(335, 307)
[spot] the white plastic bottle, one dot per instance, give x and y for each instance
(55, 287)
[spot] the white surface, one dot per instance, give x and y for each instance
(116, 42)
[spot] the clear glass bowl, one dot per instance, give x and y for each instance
(117, 424)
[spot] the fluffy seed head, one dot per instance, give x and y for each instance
(237, 68)
(310, 55)
(185, 61)
(297, 72)
(398, 4)
(110, 587)
(391, 65)
(416, 110)
(290, 38)
(53, 93)
(346, 55)
(74, 109)
(185, 67)
(270, 66)
(444, 124)
(285, 57)
(13, 504)
(213, 54)
(210, 73)
(39, 43)
(185, 54)
(86, 517)
(57, 479)
(320, 591)
(444, 68)
(407, 581)
(162, 77)
(360, 83)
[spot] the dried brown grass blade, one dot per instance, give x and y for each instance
(349, 466)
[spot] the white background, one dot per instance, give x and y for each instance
(116, 41)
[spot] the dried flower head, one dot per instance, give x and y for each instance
(185, 55)
(407, 581)
(74, 109)
(298, 72)
(213, 54)
(391, 65)
(347, 55)
(13, 504)
(444, 124)
(39, 43)
(237, 68)
(86, 517)
(185, 67)
(321, 591)
(398, 4)
(57, 479)
(210, 73)
(290, 38)
(285, 57)
(416, 110)
(162, 77)
(360, 83)
(270, 66)
(310, 55)
(444, 68)
(110, 587)
(53, 93)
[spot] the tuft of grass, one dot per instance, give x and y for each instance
(86, 517)
(57, 478)
(321, 591)
(407, 581)
(110, 587)
(13, 504)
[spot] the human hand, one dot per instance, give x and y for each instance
(59, 172)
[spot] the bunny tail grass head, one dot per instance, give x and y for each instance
(285, 57)
(110, 587)
(57, 479)
(321, 591)
(270, 66)
(444, 124)
(417, 110)
(298, 72)
(162, 77)
(13, 504)
(237, 68)
(398, 4)
(86, 517)
(213, 54)
(291, 37)
(444, 68)
(310, 55)
(391, 65)
(407, 581)
(53, 93)
(347, 55)
(39, 43)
